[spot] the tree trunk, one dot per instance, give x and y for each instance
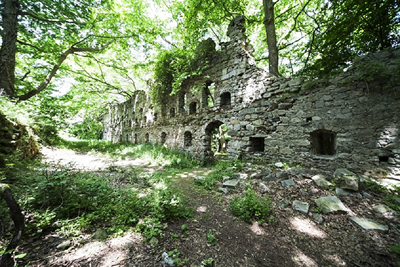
(269, 23)
(8, 48)
(16, 215)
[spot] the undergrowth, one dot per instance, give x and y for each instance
(250, 207)
(70, 201)
(220, 170)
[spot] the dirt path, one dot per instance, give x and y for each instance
(294, 239)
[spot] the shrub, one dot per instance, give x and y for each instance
(251, 207)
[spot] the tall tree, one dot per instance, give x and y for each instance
(269, 23)
(39, 36)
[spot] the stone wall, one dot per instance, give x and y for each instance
(350, 121)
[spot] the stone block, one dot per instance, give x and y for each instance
(301, 206)
(231, 183)
(331, 204)
(368, 224)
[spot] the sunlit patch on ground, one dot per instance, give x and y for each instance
(337, 261)
(307, 227)
(113, 252)
(301, 259)
(257, 229)
(201, 209)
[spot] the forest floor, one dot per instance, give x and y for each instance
(214, 234)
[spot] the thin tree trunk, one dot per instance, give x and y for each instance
(8, 48)
(269, 23)
(19, 222)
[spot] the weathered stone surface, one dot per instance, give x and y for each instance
(325, 127)
(64, 245)
(301, 206)
(321, 181)
(289, 182)
(230, 183)
(331, 204)
(263, 188)
(341, 192)
(368, 224)
(167, 261)
(347, 179)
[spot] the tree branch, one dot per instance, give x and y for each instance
(35, 16)
(54, 70)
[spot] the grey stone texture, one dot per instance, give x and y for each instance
(331, 123)
(331, 204)
(368, 224)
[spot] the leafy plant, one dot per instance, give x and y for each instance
(251, 207)
(211, 239)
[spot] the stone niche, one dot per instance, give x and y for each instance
(345, 120)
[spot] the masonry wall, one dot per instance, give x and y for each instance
(346, 121)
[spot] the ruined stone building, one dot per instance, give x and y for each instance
(346, 121)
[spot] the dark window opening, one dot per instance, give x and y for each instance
(163, 137)
(383, 158)
(225, 100)
(187, 138)
(323, 142)
(172, 112)
(257, 144)
(193, 108)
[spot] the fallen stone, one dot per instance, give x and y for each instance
(279, 164)
(166, 260)
(341, 192)
(318, 218)
(153, 241)
(381, 209)
(321, 181)
(283, 203)
(289, 182)
(368, 224)
(331, 204)
(223, 190)
(300, 206)
(263, 188)
(64, 245)
(347, 179)
(230, 183)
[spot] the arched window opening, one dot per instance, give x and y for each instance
(182, 103)
(217, 138)
(225, 100)
(323, 142)
(187, 138)
(172, 112)
(207, 94)
(163, 137)
(192, 108)
(257, 144)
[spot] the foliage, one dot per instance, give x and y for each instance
(173, 67)
(221, 169)
(348, 29)
(251, 207)
(88, 129)
(211, 239)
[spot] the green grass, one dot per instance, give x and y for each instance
(60, 198)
